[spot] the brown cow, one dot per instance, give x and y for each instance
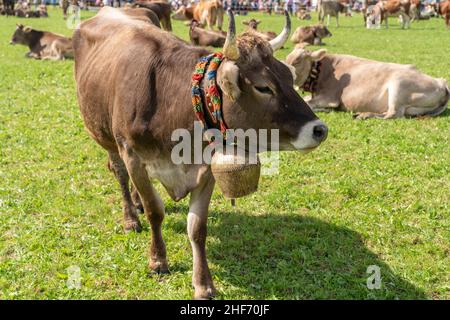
(43, 44)
(331, 8)
(161, 9)
(310, 35)
(383, 9)
(184, 13)
(205, 38)
(253, 24)
(147, 97)
(143, 14)
(208, 12)
(443, 9)
(371, 89)
(303, 14)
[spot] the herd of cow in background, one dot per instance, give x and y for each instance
(395, 89)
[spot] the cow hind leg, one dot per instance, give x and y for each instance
(153, 209)
(196, 227)
(136, 199)
(130, 217)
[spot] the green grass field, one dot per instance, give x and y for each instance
(375, 193)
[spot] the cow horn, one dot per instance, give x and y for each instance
(279, 41)
(230, 49)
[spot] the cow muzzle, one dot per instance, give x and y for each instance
(311, 135)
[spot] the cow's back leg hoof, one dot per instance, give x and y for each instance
(132, 225)
(204, 292)
(158, 267)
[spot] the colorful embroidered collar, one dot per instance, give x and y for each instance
(213, 98)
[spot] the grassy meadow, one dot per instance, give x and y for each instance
(375, 193)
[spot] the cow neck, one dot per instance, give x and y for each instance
(35, 38)
(207, 93)
(310, 84)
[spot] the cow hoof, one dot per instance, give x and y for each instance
(157, 268)
(204, 293)
(360, 116)
(132, 226)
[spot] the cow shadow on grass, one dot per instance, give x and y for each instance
(296, 257)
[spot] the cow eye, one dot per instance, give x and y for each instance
(265, 90)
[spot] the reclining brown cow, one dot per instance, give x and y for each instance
(43, 44)
(184, 13)
(310, 35)
(253, 24)
(371, 89)
(135, 122)
(206, 38)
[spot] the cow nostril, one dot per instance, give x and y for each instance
(320, 132)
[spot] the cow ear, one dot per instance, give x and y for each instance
(258, 22)
(318, 55)
(227, 77)
(19, 26)
(27, 29)
(245, 22)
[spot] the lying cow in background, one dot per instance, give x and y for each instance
(253, 24)
(383, 9)
(331, 8)
(310, 35)
(303, 14)
(161, 9)
(184, 13)
(205, 38)
(371, 89)
(135, 122)
(43, 44)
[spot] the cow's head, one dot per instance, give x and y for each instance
(259, 91)
(21, 35)
(302, 60)
(252, 23)
(322, 31)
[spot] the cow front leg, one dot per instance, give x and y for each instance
(196, 228)
(153, 209)
(130, 217)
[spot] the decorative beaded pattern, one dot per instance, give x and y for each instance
(208, 65)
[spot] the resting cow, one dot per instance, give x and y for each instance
(205, 38)
(310, 35)
(184, 13)
(147, 96)
(371, 89)
(253, 24)
(43, 44)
